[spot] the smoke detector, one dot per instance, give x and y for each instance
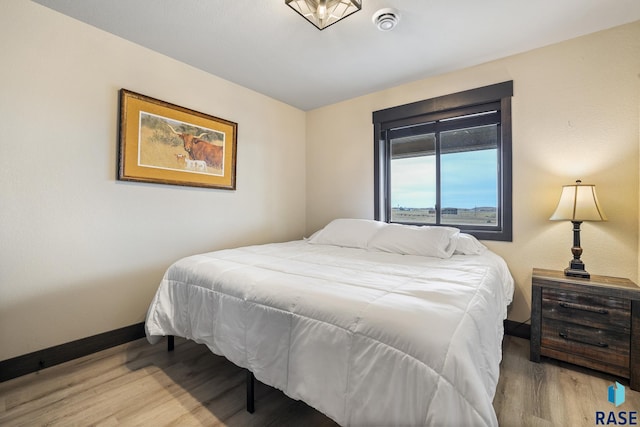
(386, 19)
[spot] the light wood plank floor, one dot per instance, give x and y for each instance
(140, 384)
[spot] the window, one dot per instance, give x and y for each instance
(447, 161)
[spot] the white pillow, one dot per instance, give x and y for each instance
(414, 240)
(347, 232)
(466, 244)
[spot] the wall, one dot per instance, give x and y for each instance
(575, 115)
(80, 252)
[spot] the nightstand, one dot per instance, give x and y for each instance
(593, 323)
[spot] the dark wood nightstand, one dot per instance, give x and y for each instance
(593, 323)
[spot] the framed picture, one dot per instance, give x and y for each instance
(168, 144)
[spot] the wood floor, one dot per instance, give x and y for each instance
(140, 384)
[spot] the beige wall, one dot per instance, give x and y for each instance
(80, 252)
(575, 115)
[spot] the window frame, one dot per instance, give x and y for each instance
(453, 105)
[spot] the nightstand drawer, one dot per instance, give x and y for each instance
(608, 346)
(588, 310)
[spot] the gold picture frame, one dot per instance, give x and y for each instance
(167, 144)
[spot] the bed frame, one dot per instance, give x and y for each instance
(250, 382)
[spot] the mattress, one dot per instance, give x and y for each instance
(366, 337)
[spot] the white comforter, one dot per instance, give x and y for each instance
(368, 338)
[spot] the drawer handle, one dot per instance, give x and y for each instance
(584, 308)
(595, 344)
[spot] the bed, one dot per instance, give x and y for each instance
(368, 322)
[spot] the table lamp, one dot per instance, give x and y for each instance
(578, 202)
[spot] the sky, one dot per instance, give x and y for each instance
(468, 180)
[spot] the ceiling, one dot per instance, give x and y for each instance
(266, 46)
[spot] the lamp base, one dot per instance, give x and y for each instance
(576, 272)
(576, 266)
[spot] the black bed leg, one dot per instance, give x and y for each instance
(250, 382)
(170, 343)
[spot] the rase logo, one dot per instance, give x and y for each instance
(616, 394)
(616, 418)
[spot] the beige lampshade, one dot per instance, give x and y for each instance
(578, 202)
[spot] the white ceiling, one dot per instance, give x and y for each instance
(265, 46)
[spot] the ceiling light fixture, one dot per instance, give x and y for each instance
(323, 13)
(386, 19)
